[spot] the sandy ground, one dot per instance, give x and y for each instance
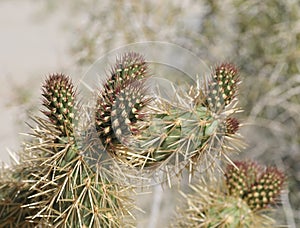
(31, 47)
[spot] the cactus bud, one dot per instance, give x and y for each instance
(240, 177)
(266, 189)
(59, 98)
(256, 187)
(222, 89)
(121, 99)
(232, 125)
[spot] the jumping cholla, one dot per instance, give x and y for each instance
(62, 180)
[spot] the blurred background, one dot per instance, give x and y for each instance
(261, 37)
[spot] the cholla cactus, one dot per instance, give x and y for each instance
(63, 181)
(61, 188)
(146, 131)
(240, 199)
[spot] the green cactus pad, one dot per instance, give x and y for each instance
(173, 133)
